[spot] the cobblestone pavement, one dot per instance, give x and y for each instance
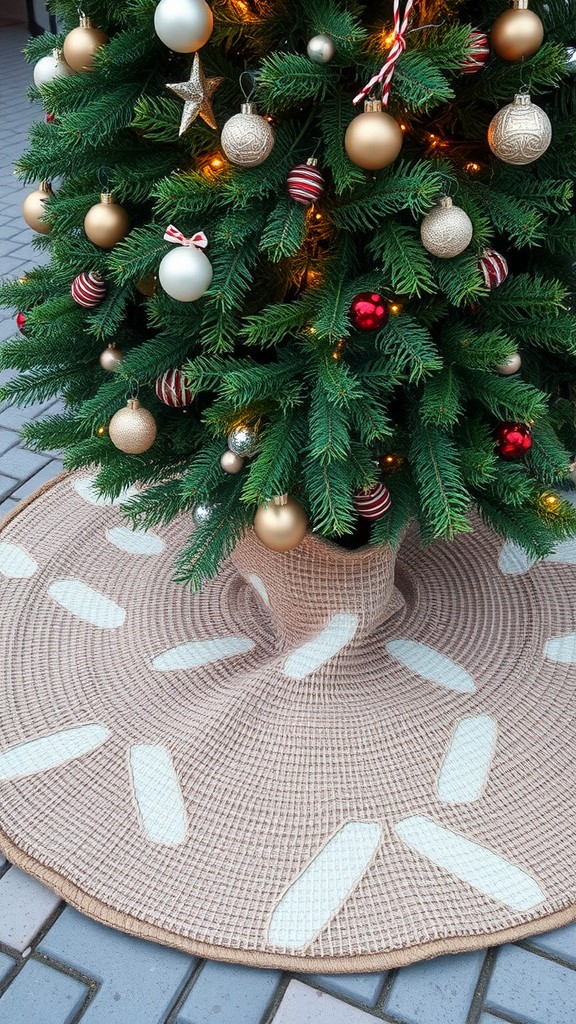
(58, 967)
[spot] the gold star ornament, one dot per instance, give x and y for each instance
(197, 94)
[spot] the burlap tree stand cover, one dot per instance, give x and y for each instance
(305, 765)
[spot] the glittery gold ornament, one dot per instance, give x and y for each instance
(33, 209)
(231, 462)
(517, 33)
(520, 132)
(373, 139)
(447, 230)
(106, 223)
(133, 429)
(247, 138)
(81, 44)
(110, 358)
(281, 524)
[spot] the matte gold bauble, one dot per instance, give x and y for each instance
(231, 463)
(33, 208)
(110, 358)
(281, 524)
(520, 132)
(81, 44)
(133, 429)
(373, 139)
(147, 285)
(106, 223)
(517, 33)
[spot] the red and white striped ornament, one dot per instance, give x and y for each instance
(373, 503)
(88, 289)
(172, 389)
(493, 268)
(305, 183)
(478, 52)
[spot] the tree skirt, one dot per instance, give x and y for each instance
(305, 766)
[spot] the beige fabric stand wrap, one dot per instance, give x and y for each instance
(305, 766)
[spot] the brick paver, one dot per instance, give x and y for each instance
(79, 972)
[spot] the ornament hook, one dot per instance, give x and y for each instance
(248, 92)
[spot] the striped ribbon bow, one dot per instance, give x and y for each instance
(173, 235)
(398, 46)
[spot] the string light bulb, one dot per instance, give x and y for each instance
(395, 307)
(338, 349)
(101, 431)
(549, 502)
(472, 167)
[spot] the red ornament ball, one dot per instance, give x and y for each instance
(478, 52)
(493, 268)
(20, 321)
(305, 183)
(373, 503)
(172, 389)
(513, 440)
(88, 289)
(50, 118)
(368, 311)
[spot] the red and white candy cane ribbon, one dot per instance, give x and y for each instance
(173, 235)
(398, 46)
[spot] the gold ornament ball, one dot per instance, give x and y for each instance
(520, 132)
(81, 44)
(106, 223)
(33, 208)
(133, 429)
(447, 230)
(110, 358)
(281, 524)
(517, 33)
(231, 463)
(147, 285)
(373, 139)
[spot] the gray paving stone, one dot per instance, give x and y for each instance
(52, 469)
(6, 506)
(8, 438)
(488, 1018)
(305, 1005)
(41, 995)
(531, 989)
(363, 988)
(25, 906)
(22, 464)
(435, 990)
(7, 485)
(561, 942)
(138, 981)
(7, 964)
(229, 994)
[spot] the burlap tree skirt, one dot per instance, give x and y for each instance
(304, 766)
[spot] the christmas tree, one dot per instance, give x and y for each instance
(314, 249)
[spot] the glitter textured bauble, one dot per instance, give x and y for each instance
(133, 429)
(21, 322)
(183, 25)
(106, 223)
(172, 388)
(49, 68)
(478, 52)
(368, 311)
(247, 139)
(447, 230)
(203, 513)
(305, 183)
(373, 139)
(512, 365)
(81, 44)
(520, 132)
(88, 289)
(110, 358)
(185, 273)
(513, 440)
(243, 440)
(320, 49)
(372, 503)
(493, 267)
(281, 524)
(231, 462)
(33, 208)
(517, 33)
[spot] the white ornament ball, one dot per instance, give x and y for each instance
(247, 139)
(520, 132)
(49, 68)
(512, 365)
(183, 25)
(447, 230)
(185, 273)
(320, 49)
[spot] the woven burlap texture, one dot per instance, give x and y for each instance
(310, 764)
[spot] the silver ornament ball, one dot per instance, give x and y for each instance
(185, 273)
(231, 462)
(242, 440)
(520, 132)
(446, 231)
(183, 25)
(512, 365)
(203, 513)
(320, 49)
(49, 68)
(247, 139)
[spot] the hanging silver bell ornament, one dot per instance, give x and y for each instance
(520, 132)
(243, 440)
(203, 513)
(231, 463)
(447, 230)
(247, 138)
(183, 25)
(49, 68)
(320, 49)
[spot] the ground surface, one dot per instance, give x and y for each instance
(58, 967)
